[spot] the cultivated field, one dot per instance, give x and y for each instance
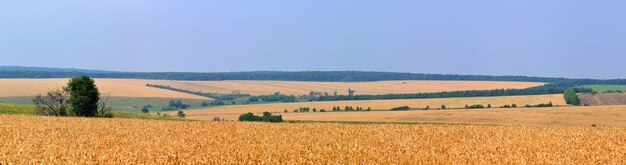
(556, 99)
(115, 87)
(603, 99)
(35, 140)
(377, 87)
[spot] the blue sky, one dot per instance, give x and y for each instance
(562, 38)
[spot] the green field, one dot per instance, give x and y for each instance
(605, 88)
(132, 104)
(16, 109)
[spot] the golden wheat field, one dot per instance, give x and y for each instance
(556, 99)
(114, 87)
(58, 140)
(557, 116)
(377, 87)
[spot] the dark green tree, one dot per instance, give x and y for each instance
(84, 96)
(571, 97)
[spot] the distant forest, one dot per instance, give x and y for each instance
(469, 93)
(327, 76)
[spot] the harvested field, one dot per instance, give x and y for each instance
(115, 87)
(377, 87)
(556, 99)
(603, 99)
(50, 140)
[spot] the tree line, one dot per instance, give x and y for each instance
(216, 96)
(328, 76)
(468, 93)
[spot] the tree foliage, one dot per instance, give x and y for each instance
(267, 117)
(469, 93)
(571, 97)
(83, 96)
(402, 108)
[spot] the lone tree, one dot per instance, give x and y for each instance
(351, 92)
(84, 96)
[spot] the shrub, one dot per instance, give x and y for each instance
(402, 108)
(53, 104)
(146, 109)
(181, 114)
(475, 106)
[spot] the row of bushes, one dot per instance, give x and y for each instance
(406, 108)
(335, 109)
(267, 117)
(474, 106)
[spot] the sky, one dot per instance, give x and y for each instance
(559, 38)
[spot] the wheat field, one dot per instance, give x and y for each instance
(376, 87)
(58, 140)
(114, 87)
(554, 116)
(556, 99)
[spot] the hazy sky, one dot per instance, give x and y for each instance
(563, 38)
